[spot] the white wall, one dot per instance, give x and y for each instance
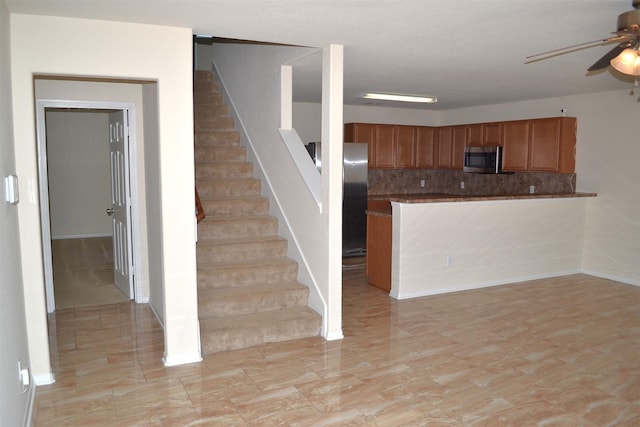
(306, 117)
(14, 404)
(608, 152)
(79, 176)
(445, 247)
(43, 45)
(251, 75)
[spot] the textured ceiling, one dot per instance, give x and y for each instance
(465, 52)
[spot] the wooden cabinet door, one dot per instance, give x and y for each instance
(425, 147)
(474, 134)
(515, 143)
(544, 145)
(363, 133)
(459, 140)
(491, 133)
(405, 147)
(445, 141)
(384, 146)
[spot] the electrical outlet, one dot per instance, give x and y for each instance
(532, 189)
(23, 375)
(449, 261)
(422, 183)
(462, 185)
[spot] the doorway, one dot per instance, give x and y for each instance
(87, 180)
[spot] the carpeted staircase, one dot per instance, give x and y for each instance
(248, 292)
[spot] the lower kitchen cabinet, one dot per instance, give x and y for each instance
(379, 251)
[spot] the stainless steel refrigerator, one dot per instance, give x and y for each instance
(354, 202)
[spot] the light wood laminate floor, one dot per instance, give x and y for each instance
(561, 352)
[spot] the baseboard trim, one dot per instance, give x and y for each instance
(624, 280)
(31, 400)
(181, 359)
(45, 379)
(481, 285)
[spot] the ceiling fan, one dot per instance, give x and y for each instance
(625, 57)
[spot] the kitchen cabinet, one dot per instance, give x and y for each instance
(384, 147)
(364, 133)
(378, 264)
(539, 145)
(425, 147)
(405, 146)
(451, 143)
(552, 145)
(535, 145)
(483, 134)
(390, 146)
(515, 140)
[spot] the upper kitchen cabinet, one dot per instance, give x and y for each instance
(364, 133)
(484, 134)
(552, 145)
(390, 146)
(451, 143)
(515, 140)
(405, 146)
(425, 147)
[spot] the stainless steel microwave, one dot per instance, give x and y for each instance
(485, 159)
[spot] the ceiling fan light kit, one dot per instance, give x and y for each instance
(628, 62)
(625, 57)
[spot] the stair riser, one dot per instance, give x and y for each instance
(231, 188)
(237, 338)
(216, 138)
(247, 276)
(253, 227)
(249, 206)
(241, 251)
(211, 305)
(215, 123)
(220, 154)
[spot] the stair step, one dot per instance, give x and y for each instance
(234, 227)
(224, 171)
(200, 85)
(202, 111)
(208, 138)
(251, 299)
(203, 75)
(246, 273)
(207, 98)
(233, 250)
(232, 188)
(220, 154)
(243, 206)
(215, 123)
(248, 330)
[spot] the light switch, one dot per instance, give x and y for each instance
(11, 189)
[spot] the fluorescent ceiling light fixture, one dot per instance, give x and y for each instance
(400, 98)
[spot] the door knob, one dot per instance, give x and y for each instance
(110, 211)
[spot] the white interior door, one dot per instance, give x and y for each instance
(120, 210)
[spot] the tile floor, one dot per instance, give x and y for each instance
(561, 352)
(83, 272)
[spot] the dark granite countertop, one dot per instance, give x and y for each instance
(442, 198)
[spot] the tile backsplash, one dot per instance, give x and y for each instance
(407, 181)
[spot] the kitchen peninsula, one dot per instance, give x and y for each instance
(423, 244)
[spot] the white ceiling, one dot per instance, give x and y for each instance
(465, 52)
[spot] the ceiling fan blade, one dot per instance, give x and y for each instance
(606, 59)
